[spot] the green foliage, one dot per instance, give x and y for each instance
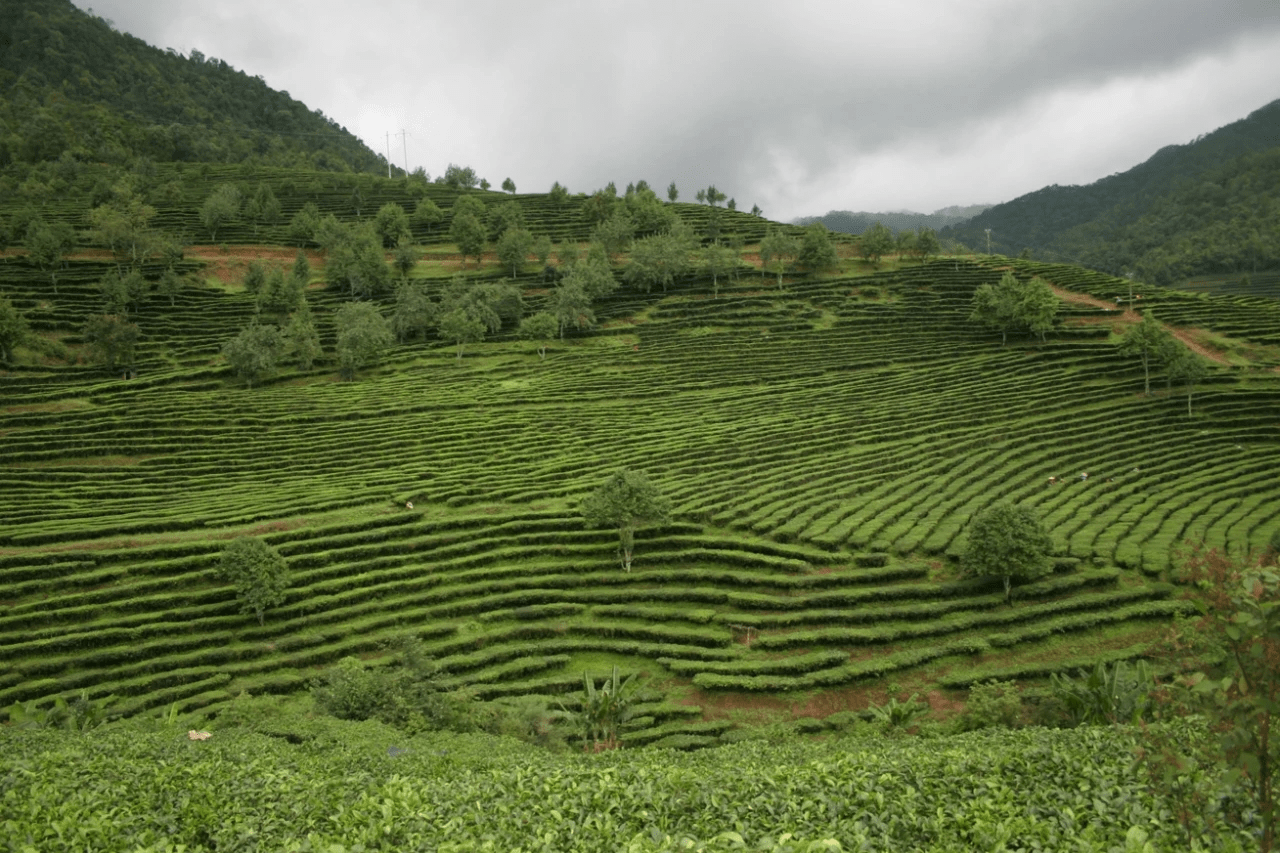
(135, 786)
(615, 233)
(895, 715)
(571, 306)
(14, 329)
(469, 233)
(220, 208)
(541, 328)
(427, 215)
(558, 195)
(602, 710)
(1120, 693)
(461, 327)
(1240, 606)
(504, 217)
(406, 695)
(254, 354)
(301, 338)
(363, 336)
(817, 252)
(991, 703)
(875, 242)
(112, 341)
(262, 208)
(1012, 306)
(592, 274)
(508, 185)
(459, 177)
(658, 260)
(354, 260)
(391, 224)
(719, 260)
(48, 245)
(627, 500)
(79, 715)
(1147, 340)
(258, 573)
(304, 224)
(513, 248)
(414, 312)
(776, 249)
(1007, 542)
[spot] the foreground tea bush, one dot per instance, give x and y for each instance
(345, 786)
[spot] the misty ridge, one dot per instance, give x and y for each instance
(849, 222)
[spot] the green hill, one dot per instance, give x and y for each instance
(824, 444)
(74, 90)
(1189, 209)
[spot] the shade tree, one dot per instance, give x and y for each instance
(363, 335)
(503, 217)
(1014, 306)
(776, 249)
(220, 208)
(461, 328)
(658, 261)
(626, 501)
(1186, 369)
(427, 215)
(48, 246)
(112, 342)
(14, 329)
(718, 260)
(876, 242)
(1007, 541)
(540, 328)
(262, 208)
(513, 249)
(255, 352)
(258, 572)
(302, 341)
(1147, 340)
(817, 252)
(391, 224)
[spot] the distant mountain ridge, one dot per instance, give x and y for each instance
(1071, 222)
(848, 222)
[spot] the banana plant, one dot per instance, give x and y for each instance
(603, 709)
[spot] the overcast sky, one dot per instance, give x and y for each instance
(799, 107)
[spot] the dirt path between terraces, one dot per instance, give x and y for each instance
(1192, 338)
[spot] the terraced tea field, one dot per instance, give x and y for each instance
(824, 445)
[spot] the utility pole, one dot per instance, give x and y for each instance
(988, 230)
(404, 134)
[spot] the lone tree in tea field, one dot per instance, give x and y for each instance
(258, 572)
(627, 500)
(1007, 542)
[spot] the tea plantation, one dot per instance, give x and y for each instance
(824, 444)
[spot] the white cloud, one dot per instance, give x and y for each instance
(801, 107)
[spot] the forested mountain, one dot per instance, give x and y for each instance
(1189, 209)
(73, 87)
(849, 222)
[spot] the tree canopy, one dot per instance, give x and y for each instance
(1007, 541)
(1013, 306)
(258, 572)
(627, 500)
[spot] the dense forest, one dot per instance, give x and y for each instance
(1203, 207)
(74, 90)
(848, 222)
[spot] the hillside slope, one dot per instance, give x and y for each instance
(73, 87)
(824, 445)
(1069, 222)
